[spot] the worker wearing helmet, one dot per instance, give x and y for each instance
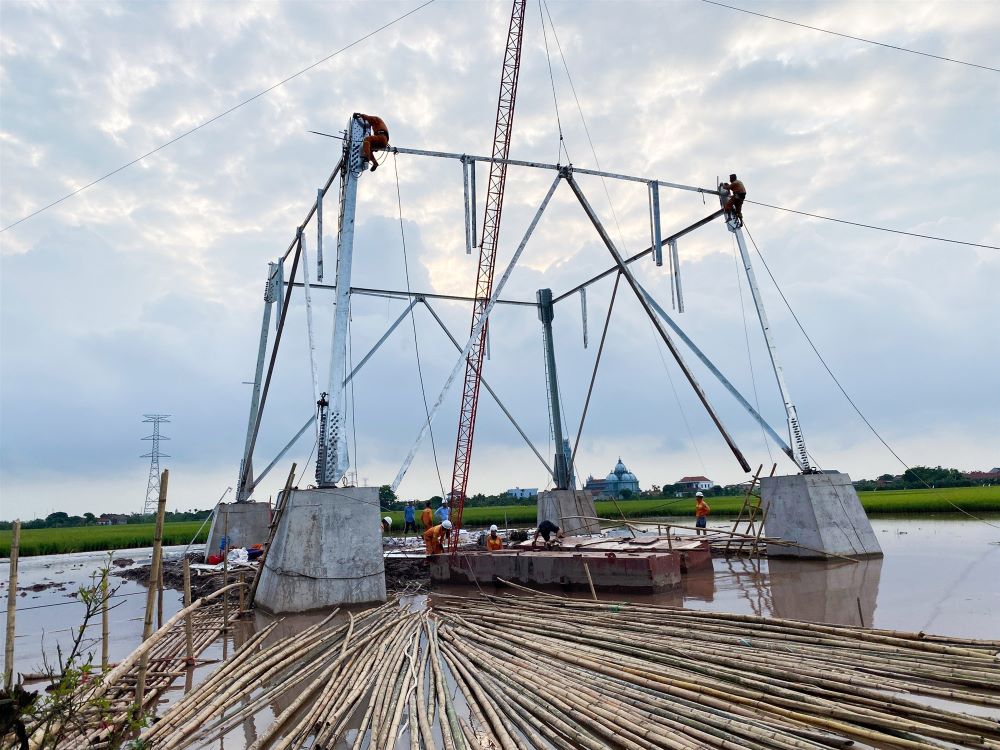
(435, 537)
(734, 206)
(493, 540)
(443, 512)
(386, 524)
(409, 518)
(701, 511)
(377, 141)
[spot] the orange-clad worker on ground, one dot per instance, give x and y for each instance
(377, 141)
(493, 540)
(434, 538)
(427, 516)
(701, 511)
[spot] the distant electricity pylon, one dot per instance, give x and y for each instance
(154, 456)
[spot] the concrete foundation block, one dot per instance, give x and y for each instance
(327, 551)
(819, 511)
(572, 511)
(248, 525)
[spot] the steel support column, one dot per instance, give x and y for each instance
(545, 314)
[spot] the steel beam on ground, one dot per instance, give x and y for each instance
(630, 278)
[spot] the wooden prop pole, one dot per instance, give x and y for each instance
(154, 577)
(8, 658)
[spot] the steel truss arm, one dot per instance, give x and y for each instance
(637, 256)
(475, 334)
(718, 374)
(493, 393)
(630, 278)
(368, 291)
(543, 165)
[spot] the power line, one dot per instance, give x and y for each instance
(872, 226)
(219, 116)
(855, 38)
(844, 392)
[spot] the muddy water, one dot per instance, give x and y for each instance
(939, 575)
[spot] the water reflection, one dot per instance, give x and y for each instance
(839, 593)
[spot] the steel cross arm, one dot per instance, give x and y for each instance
(544, 165)
(672, 238)
(627, 273)
(309, 215)
(399, 294)
(718, 374)
(489, 390)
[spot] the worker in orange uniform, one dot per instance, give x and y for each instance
(734, 206)
(377, 141)
(434, 538)
(493, 540)
(427, 516)
(701, 511)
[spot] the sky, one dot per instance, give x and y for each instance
(143, 293)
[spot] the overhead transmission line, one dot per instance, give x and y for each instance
(219, 116)
(872, 226)
(855, 38)
(841, 387)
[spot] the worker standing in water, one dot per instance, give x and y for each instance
(377, 141)
(427, 516)
(734, 206)
(493, 540)
(701, 511)
(435, 537)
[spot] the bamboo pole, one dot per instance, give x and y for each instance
(225, 570)
(104, 620)
(590, 581)
(159, 598)
(8, 658)
(154, 576)
(188, 634)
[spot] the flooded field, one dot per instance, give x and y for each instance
(938, 575)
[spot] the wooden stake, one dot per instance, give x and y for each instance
(590, 581)
(104, 621)
(188, 635)
(243, 583)
(159, 599)
(225, 570)
(279, 509)
(154, 576)
(8, 659)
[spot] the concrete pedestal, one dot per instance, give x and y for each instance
(572, 511)
(327, 551)
(820, 511)
(248, 524)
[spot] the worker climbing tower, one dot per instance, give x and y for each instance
(819, 510)
(327, 547)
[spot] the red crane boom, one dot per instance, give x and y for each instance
(487, 263)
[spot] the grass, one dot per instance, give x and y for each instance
(96, 538)
(976, 500)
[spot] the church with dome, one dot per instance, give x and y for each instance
(618, 482)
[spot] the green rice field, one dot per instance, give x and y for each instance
(975, 500)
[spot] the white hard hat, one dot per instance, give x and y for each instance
(447, 524)
(698, 494)
(387, 521)
(494, 528)
(444, 502)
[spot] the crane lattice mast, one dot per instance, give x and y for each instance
(487, 262)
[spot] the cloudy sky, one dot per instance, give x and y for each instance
(144, 292)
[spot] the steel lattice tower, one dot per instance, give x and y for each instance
(154, 456)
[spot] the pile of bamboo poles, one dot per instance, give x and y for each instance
(548, 672)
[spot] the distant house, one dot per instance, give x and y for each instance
(112, 519)
(991, 476)
(693, 484)
(522, 493)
